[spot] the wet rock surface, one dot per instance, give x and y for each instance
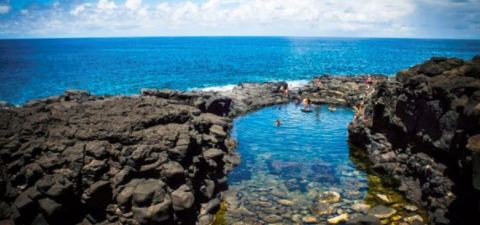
(422, 128)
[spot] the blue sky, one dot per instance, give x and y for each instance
(332, 18)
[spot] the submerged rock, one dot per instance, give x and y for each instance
(364, 220)
(309, 219)
(360, 207)
(328, 197)
(285, 202)
(272, 218)
(338, 219)
(382, 212)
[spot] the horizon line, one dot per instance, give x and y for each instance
(237, 36)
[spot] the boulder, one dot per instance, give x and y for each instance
(182, 198)
(382, 212)
(218, 105)
(148, 192)
(364, 220)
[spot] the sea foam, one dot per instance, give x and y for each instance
(223, 88)
(296, 84)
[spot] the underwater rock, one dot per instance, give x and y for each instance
(328, 197)
(272, 218)
(410, 208)
(382, 212)
(338, 219)
(322, 208)
(285, 202)
(309, 219)
(297, 218)
(364, 220)
(383, 198)
(413, 218)
(361, 207)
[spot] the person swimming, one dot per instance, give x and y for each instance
(332, 107)
(296, 101)
(278, 122)
(307, 104)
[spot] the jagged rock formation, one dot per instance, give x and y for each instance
(158, 158)
(423, 129)
(243, 98)
(88, 159)
(163, 156)
(340, 90)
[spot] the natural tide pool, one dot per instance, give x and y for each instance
(304, 171)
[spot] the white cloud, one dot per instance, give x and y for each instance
(133, 4)
(79, 9)
(230, 17)
(4, 9)
(106, 4)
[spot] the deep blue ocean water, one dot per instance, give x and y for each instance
(39, 68)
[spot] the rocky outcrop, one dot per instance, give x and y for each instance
(243, 98)
(157, 158)
(339, 90)
(82, 159)
(423, 129)
(162, 157)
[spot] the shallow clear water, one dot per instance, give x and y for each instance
(304, 156)
(304, 169)
(306, 146)
(39, 68)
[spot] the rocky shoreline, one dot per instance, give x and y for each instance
(162, 157)
(422, 128)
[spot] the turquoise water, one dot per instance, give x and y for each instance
(39, 68)
(306, 155)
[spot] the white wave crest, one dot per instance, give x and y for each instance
(224, 88)
(296, 84)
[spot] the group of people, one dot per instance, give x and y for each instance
(307, 106)
(359, 108)
(307, 102)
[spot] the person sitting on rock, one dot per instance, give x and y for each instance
(369, 81)
(358, 111)
(370, 91)
(318, 83)
(284, 90)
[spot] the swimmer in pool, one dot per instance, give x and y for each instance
(331, 107)
(307, 104)
(278, 122)
(296, 102)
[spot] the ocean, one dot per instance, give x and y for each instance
(35, 68)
